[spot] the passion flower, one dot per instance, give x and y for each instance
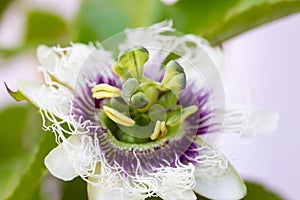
(131, 118)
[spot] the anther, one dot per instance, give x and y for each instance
(156, 131)
(160, 130)
(118, 117)
(105, 91)
(163, 129)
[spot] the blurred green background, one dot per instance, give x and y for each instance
(23, 145)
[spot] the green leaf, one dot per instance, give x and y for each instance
(216, 20)
(18, 137)
(100, 19)
(6, 53)
(221, 20)
(244, 17)
(3, 5)
(197, 16)
(10, 173)
(199, 197)
(29, 183)
(256, 191)
(46, 28)
(75, 189)
(19, 131)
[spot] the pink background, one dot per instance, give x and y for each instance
(269, 56)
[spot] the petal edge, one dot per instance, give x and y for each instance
(228, 187)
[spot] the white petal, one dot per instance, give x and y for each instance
(250, 121)
(47, 58)
(56, 101)
(65, 64)
(263, 122)
(230, 186)
(185, 195)
(215, 177)
(241, 116)
(169, 2)
(98, 193)
(59, 161)
(107, 187)
(31, 91)
(188, 194)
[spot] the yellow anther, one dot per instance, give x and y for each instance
(160, 130)
(118, 117)
(105, 91)
(105, 87)
(102, 94)
(163, 129)
(156, 131)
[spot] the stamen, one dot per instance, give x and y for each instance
(163, 129)
(156, 131)
(105, 87)
(118, 117)
(105, 91)
(160, 130)
(101, 95)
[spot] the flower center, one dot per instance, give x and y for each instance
(143, 110)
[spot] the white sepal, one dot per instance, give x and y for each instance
(215, 177)
(227, 187)
(99, 193)
(50, 99)
(250, 121)
(185, 195)
(263, 122)
(61, 161)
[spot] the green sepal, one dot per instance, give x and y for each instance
(17, 95)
